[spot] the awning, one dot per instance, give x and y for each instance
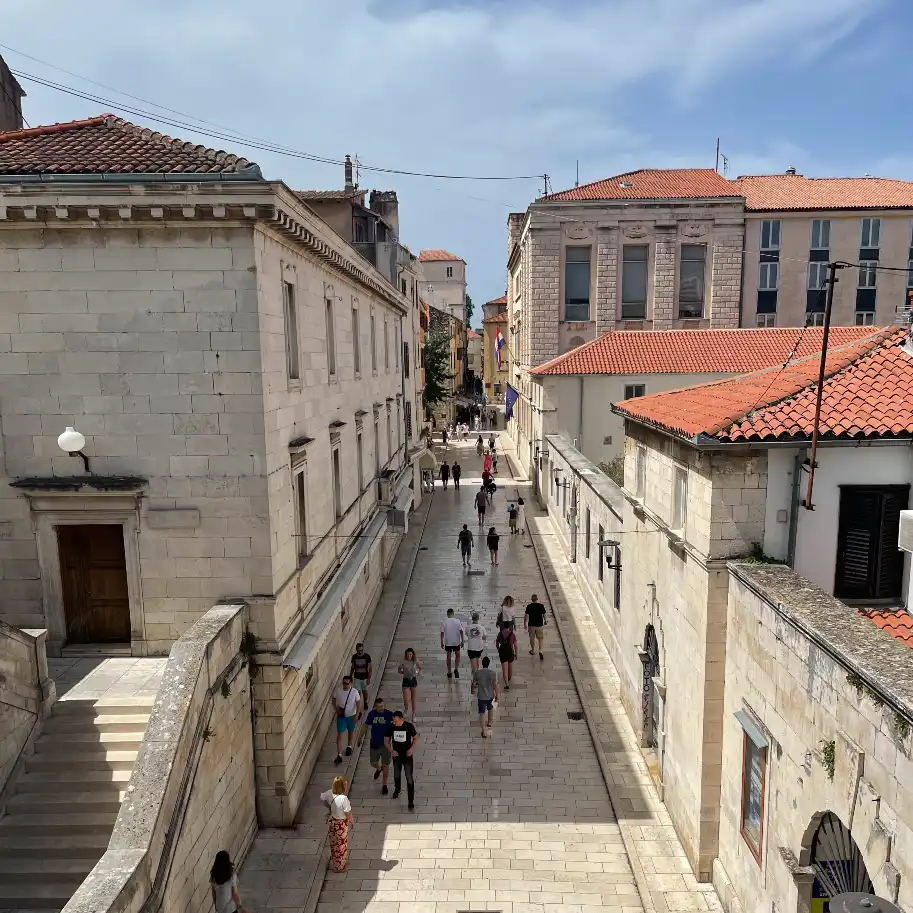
(751, 729)
(404, 499)
(308, 642)
(428, 461)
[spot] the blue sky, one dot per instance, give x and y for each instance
(495, 87)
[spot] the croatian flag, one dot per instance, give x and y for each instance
(499, 341)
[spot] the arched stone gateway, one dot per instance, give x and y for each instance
(836, 862)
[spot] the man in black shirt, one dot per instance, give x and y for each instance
(534, 622)
(361, 670)
(401, 740)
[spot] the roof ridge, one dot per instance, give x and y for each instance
(45, 129)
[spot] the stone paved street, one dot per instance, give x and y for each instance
(521, 822)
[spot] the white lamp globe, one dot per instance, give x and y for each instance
(71, 441)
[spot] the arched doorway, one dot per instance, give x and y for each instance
(650, 695)
(837, 863)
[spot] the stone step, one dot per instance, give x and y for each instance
(96, 760)
(70, 846)
(59, 822)
(105, 722)
(103, 706)
(88, 740)
(13, 870)
(72, 781)
(45, 893)
(93, 800)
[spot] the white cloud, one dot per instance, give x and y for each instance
(500, 87)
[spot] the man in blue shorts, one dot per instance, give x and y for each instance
(485, 688)
(380, 720)
(347, 707)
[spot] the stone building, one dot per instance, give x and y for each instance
(748, 683)
(233, 366)
(444, 282)
(11, 95)
(494, 377)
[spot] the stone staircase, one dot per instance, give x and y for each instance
(58, 822)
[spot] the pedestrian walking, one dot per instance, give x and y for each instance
(465, 431)
(339, 820)
(402, 741)
(520, 510)
(481, 500)
(493, 540)
(485, 688)
(361, 671)
(445, 473)
(347, 705)
(479, 446)
(512, 518)
(494, 462)
(534, 621)
(506, 645)
(491, 442)
(452, 639)
(223, 881)
(506, 614)
(476, 635)
(444, 436)
(486, 463)
(378, 722)
(456, 472)
(409, 669)
(465, 542)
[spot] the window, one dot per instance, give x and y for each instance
(633, 390)
(373, 342)
(817, 273)
(680, 502)
(389, 438)
(865, 318)
(754, 776)
(577, 283)
(376, 447)
(586, 535)
(909, 273)
(871, 233)
(337, 485)
(768, 277)
(403, 283)
(290, 310)
(821, 234)
(356, 340)
(301, 521)
(331, 338)
(408, 420)
(360, 460)
(770, 234)
(399, 426)
(766, 320)
(814, 319)
(601, 564)
(406, 359)
(634, 280)
(396, 345)
(640, 471)
(691, 280)
(386, 346)
(449, 272)
(869, 564)
(867, 274)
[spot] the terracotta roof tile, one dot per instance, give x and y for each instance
(652, 183)
(694, 351)
(897, 622)
(771, 192)
(432, 256)
(868, 392)
(496, 318)
(312, 195)
(501, 300)
(109, 145)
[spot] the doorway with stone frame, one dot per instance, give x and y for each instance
(653, 694)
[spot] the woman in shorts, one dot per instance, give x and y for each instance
(506, 615)
(409, 669)
(506, 645)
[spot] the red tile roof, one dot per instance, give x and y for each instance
(868, 392)
(433, 256)
(897, 622)
(108, 145)
(309, 196)
(694, 351)
(652, 184)
(496, 318)
(501, 300)
(772, 192)
(472, 334)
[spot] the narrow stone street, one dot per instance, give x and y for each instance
(521, 822)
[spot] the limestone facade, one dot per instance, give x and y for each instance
(156, 321)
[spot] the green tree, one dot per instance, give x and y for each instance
(470, 307)
(437, 369)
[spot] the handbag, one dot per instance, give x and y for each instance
(341, 711)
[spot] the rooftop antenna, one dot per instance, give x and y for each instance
(577, 181)
(357, 171)
(716, 166)
(725, 165)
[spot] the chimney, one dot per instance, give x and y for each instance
(791, 170)
(386, 205)
(350, 184)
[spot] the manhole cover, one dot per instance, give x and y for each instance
(575, 714)
(476, 573)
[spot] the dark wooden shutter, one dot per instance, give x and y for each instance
(889, 580)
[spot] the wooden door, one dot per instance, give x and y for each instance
(93, 569)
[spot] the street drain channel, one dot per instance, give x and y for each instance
(476, 573)
(576, 715)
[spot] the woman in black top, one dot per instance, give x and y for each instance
(493, 539)
(456, 472)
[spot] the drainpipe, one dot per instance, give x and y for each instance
(798, 462)
(580, 410)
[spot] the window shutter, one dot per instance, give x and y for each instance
(856, 539)
(890, 558)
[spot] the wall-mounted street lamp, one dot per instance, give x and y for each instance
(603, 544)
(72, 442)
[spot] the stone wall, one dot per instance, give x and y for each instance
(543, 305)
(26, 696)
(191, 792)
(809, 672)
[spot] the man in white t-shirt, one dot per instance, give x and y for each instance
(476, 636)
(347, 707)
(452, 637)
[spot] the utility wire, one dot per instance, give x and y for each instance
(231, 136)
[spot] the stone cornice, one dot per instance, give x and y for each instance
(203, 205)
